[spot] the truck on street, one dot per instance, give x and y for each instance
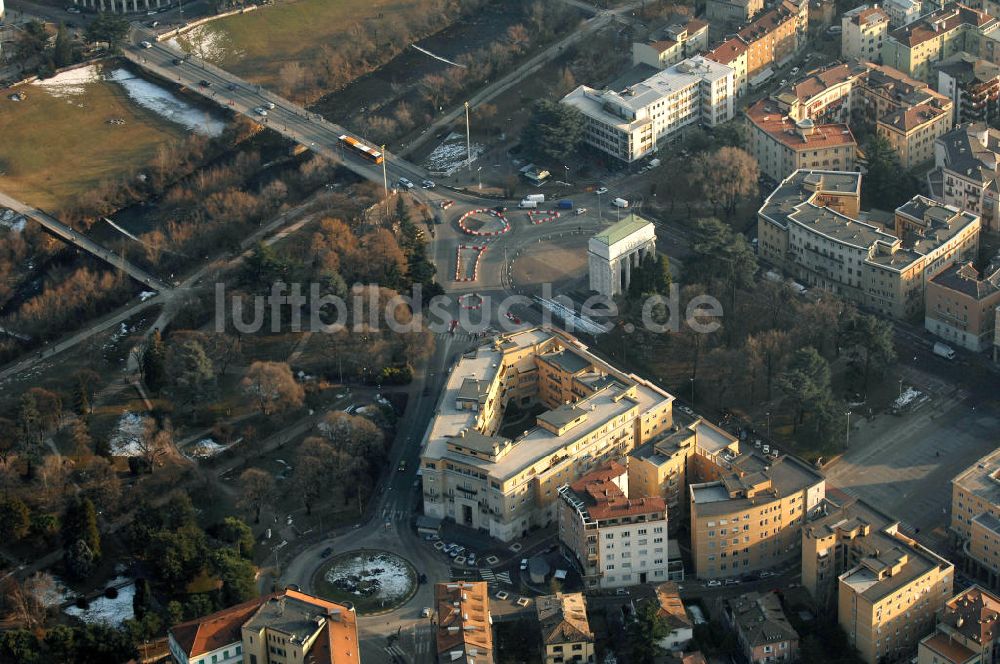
(944, 350)
(527, 204)
(538, 198)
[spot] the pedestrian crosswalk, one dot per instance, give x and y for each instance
(487, 575)
(396, 651)
(504, 577)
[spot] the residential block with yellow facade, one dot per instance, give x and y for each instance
(975, 517)
(809, 226)
(566, 634)
(593, 414)
(751, 519)
(914, 48)
(887, 587)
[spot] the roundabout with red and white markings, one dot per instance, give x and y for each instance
(472, 223)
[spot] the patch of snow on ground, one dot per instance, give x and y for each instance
(12, 220)
(72, 83)
(208, 43)
(165, 104)
(56, 595)
(392, 574)
(207, 448)
(127, 437)
(145, 295)
(113, 612)
(451, 155)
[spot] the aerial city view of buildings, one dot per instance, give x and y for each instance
(480, 331)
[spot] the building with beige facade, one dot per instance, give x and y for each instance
(733, 12)
(961, 304)
(887, 586)
(914, 48)
(762, 629)
(566, 634)
(284, 626)
(672, 44)
(693, 450)
(967, 171)
(594, 413)
(975, 518)
(772, 38)
(809, 227)
(967, 631)
(818, 107)
(862, 31)
(733, 53)
(616, 538)
(463, 627)
(633, 123)
(750, 520)
(782, 145)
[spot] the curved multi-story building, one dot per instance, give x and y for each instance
(476, 472)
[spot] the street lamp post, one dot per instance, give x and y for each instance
(468, 138)
(847, 440)
(600, 213)
(385, 184)
(900, 387)
(768, 426)
(567, 173)
(479, 172)
(692, 391)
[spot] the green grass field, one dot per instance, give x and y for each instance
(257, 44)
(56, 148)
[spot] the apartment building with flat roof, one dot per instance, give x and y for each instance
(973, 85)
(887, 587)
(566, 633)
(284, 626)
(915, 47)
(902, 12)
(463, 632)
(862, 31)
(750, 520)
(967, 630)
(618, 539)
(632, 123)
(594, 414)
(690, 451)
(961, 305)
(809, 227)
(762, 629)
(672, 44)
(975, 517)
(967, 171)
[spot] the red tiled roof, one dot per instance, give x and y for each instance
(727, 51)
(783, 129)
(202, 635)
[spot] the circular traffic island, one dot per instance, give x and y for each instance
(373, 581)
(483, 223)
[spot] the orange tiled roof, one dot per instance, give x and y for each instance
(783, 129)
(727, 51)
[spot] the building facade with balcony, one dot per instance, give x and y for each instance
(632, 123)
(672, 44)
(618, 539)
(915, 47)
(862, 31)
(967, 171)
(973, 85)
(968, 631)
(593, 414)
(809, 227)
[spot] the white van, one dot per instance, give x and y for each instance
(527, 205)
(620, 202)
